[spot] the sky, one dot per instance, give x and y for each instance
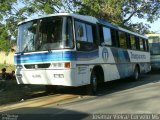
(155, 26)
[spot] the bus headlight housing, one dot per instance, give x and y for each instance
(57, 65)
(61, 65)
(19, 66)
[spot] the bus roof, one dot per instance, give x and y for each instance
(87, 19)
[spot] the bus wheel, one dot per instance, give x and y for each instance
(92, 88)
(51, 88)
(136, 74)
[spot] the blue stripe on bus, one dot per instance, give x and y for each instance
(87, 55)
(55, 56)
(120, 55)
(122, 60)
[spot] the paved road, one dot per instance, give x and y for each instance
(117, 97)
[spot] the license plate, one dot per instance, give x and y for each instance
(36, 76)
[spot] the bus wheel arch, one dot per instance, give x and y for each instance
(96, 77)
(99, 73)
(136, 72)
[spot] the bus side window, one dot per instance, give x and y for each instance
(144, 45)
(141, 44)
(122, 39)
(89, 33)
(107, 36)
(69, 36)
(85, 36)
(133, 42)
(137, 43)
(114, 35)
(95, 34)
(145, 42)
(80, 31)
(147, 45)
(128, 41)
(101, 34)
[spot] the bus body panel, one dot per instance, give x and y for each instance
(116, 63)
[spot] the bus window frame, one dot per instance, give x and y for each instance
(115, 38)
(95, 37)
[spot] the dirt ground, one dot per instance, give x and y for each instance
(10, 91)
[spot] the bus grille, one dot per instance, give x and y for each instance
(34, 66)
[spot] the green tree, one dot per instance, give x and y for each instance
(115, 11)
(121, 12)
(143, 9)
(109, 10)
(5, 43)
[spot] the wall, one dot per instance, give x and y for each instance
(8, 59)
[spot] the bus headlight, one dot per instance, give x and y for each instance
(19, 66)
(19, 75)
(61, 65)
(57, 65)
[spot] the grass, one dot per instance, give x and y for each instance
(10, 91)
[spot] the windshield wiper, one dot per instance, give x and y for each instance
(27, 45)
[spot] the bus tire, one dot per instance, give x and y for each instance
(50, 88)
(136, 74)
(92, 88)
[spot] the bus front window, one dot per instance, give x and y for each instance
(26, 37)
(51, 33)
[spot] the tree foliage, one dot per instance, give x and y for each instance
(121, 12)
(115, 11)
(4, 43)
(143, 9)
(109, 10)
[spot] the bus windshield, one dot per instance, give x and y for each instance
(49, 33)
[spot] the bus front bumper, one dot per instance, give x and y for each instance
(65, 77)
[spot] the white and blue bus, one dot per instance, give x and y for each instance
(154, 44)
(75, 50)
